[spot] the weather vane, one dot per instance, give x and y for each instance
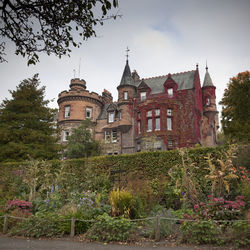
(127, 50)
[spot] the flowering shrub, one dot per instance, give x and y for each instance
(23, 205)
(207, 221)
(219, 209)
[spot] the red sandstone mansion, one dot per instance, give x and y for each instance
(158, 113)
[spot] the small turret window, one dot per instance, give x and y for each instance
(208, 101)
(125, 95)
(67, 111)
(88, 112)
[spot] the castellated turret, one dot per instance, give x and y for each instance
(76, 105)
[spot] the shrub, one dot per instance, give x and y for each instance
(201, 232)
(240, 234)
(108, 229)
(167, 226)
(120, 201)
(45, 224)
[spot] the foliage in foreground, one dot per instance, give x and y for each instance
(27, 124)
(235, 108)
(107, 228)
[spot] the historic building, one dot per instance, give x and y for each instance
(158, 113)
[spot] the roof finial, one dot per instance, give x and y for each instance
(206, 66)
(127, 50)
(197, 66)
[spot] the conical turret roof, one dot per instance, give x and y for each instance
(207, 80)
(126, 76)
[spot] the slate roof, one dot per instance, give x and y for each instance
(185, 80)
(207, 80)
(126, 76)
(104, 112)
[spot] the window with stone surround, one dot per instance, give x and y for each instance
(170, 143)
(149, 113)
(157, 123)
(169, 119)
(208, 101)
(114, 136)
(125, 95)
(169, 112)
(66, 111)
(170, 92)
(65, 135)
(149, 125)
(88, 113)
(143, 96)
(139, 126)
(157, 112)
(169, 123)
(111, 117)
(111, 136)
(107, 136)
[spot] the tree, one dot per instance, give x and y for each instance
(27, 125)
(81, 143)
(236, 106)
(50, 25)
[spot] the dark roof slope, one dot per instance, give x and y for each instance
(184, 80)
(126, 76)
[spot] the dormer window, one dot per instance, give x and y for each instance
(111, 117)
(67, 111)
(88, 113)
(143, 96)
(125, 95)
(170, 92)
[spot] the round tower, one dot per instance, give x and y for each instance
(126, 95)
(210, 113)
(76, 105)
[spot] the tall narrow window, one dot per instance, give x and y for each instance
(88, 113)
(114, 136)
(143, 96)
(107, 136)
(149, 125)
(139, 126)
(125, 95)
(207, 101)
(66, 111)
(157, 123)
(170, 92)
(111, 117)
(65, 135)
(169, 123)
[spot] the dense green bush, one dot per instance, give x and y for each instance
(108, 229)
(42, 224)
(201, 232)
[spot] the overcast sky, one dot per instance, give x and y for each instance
(164, 36)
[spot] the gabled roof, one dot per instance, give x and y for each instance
(207, 80)
(108, 107)
(126, 76)
(184, 80)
